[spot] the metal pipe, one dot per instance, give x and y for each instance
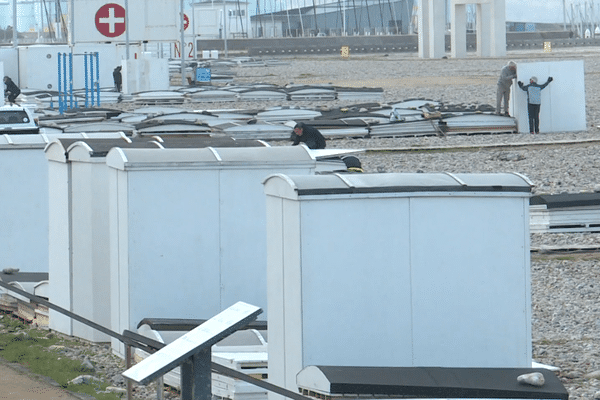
(97, 78)
(92, 76)
(85, 79)
(65, 79)
(60, 106)
(71, 78)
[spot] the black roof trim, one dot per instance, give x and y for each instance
(566, 200)
(402, 189)
(440, 382)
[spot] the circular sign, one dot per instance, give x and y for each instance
(110, 20)
(186, 21)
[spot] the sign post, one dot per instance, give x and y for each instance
(192, 352)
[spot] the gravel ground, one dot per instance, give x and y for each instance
(565, 289)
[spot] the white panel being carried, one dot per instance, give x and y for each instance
(563, 100)
(426, 269)
(106, 21)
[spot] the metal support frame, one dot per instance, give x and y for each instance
(91, 71)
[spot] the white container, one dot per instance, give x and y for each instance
(79, 259)
(79, 232)
(397, 270)
(187, 229)
(24, 199)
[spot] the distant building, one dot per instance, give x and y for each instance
(342, 18)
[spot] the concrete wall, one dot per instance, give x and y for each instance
(379, 44)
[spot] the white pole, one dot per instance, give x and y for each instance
(344, 17)
(564, 15)
(225, 20)
(182, 44)
(71, 34)
(126, 30)
(194, 30)
(15, 38)
(301, 23)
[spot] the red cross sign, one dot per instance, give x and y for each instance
(186, 21)
(110, 20)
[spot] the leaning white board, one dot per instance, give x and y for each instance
(196, 340)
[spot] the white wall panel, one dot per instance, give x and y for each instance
(145, 74)
(38, 65)
(10, 58)
(471, 295)
(59, 268)
(24, 211)
(563, 100)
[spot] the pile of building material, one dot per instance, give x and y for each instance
(567, 212)
(21, 307)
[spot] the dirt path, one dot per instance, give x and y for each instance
(16, 383)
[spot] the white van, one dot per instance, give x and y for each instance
(17, 120)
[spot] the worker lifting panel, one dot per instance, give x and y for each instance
(397, 270)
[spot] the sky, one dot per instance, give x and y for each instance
(548, 11)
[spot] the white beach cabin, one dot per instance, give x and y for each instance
(188, 231)
(397, 270)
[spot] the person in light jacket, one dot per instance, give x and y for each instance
(534, 101)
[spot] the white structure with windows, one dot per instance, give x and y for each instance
(208, 19)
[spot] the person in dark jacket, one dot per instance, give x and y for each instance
(118, 78)
(308, 135)
(534, 100)
(12, 90)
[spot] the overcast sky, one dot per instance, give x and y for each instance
(539, 10)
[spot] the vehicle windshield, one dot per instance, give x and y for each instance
(14, 117)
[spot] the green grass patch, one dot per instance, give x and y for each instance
(30, 347)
